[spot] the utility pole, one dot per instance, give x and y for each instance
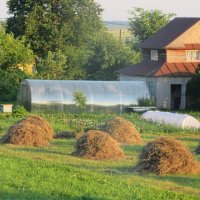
(120, 35)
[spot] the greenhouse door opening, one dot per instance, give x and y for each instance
(175, 96)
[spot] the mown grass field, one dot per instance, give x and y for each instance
(53, 173)
(125, 33)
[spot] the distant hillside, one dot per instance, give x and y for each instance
(119, 29)
(116, 24)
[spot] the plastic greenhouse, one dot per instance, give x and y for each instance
(58, 95)
(175, 119)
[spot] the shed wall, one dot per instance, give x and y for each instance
(164, 91)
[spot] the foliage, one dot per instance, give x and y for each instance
(145, 101)
(53, 25)
(9, 83)
(19, 111)
(192, 91)
(13, 52)
(107, 55)
(80, 99)
(69, 39)
(51, 67)
(144, 23)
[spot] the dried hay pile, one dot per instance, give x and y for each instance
(98, 145)
(167, 156)
(31, 131)
(123, 131)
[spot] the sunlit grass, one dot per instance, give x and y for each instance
(54, 173)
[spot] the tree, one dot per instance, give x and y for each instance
(107, 55)
(57, 29)
(51, 25)
(193, 91)
(144, 23)
(13, 53)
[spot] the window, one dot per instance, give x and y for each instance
(192, 55)
(154, 54)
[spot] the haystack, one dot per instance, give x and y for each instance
(40, 122)
(98, 145)
(167, 156)
(32, 131)
(123, 131)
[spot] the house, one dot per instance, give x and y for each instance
(170, 58)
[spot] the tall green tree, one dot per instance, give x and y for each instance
(144, 23)
(107, 55)
(51, 25)
(57, 28)
(13, 52)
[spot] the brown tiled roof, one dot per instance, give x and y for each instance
(169, 33)
(159, 69)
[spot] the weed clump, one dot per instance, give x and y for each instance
(98, 145)
(31, 131)
(123, 131)
(167, 156)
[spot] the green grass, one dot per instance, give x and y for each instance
(53, 173)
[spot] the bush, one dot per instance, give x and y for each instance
(19, 111)
(80, 99)
(145, 101)
(192, 92)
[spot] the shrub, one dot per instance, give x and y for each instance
(19, 111)
(80, 99)
(192, 91)
(145, 101)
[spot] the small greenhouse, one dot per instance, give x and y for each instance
(58, 95)
(175, 119)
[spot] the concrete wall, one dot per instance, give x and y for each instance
(160, 88)
(163, 88)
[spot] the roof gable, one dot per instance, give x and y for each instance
(169, 33)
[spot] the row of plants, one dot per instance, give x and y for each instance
(85, 121)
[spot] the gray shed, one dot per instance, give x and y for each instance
(57, 95)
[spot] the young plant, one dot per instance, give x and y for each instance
(80, 99)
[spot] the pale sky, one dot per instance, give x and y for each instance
(118, 9)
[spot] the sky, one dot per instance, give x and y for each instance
(118, 9)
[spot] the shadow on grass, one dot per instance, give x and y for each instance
(52, 149)
(40, 150)
(186, 181)
(132, 149)
(4, 195)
